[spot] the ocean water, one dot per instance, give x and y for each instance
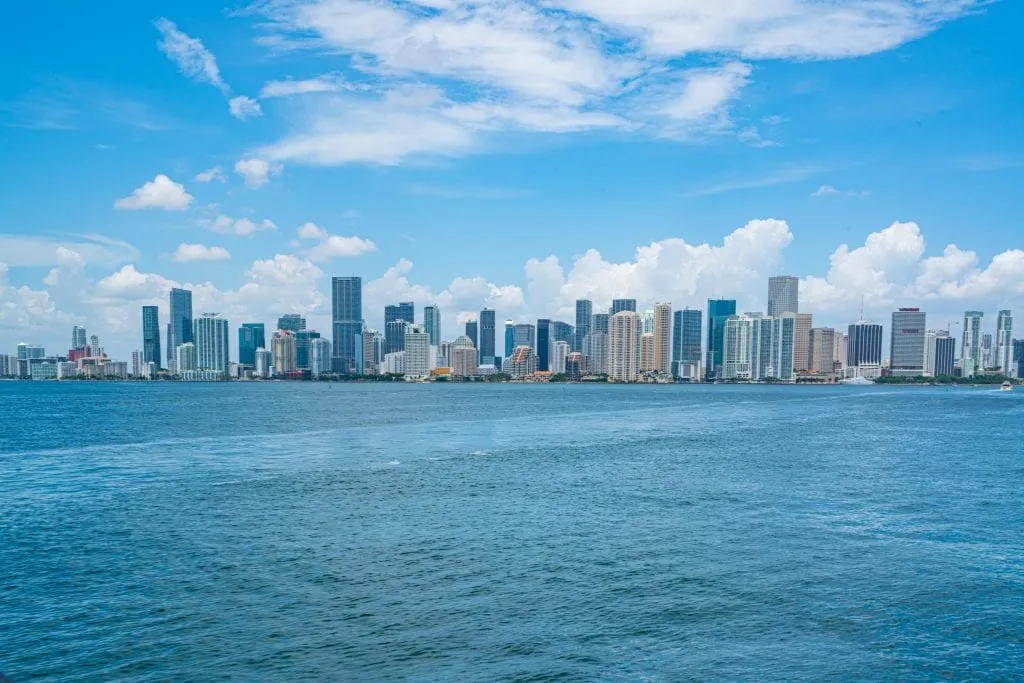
(304, 532)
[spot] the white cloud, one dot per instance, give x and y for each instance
(703, 93)
(242, 227)
(159, 193)
(211, 174)
(186, 253)
(257, 172)
(289, 88)
(243, 107)
(336, 246)
(191, 56)
(830, 191)
(37, 252)
(311, 231)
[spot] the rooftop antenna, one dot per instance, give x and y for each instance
(862, 308)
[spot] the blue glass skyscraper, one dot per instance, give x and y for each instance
(473, 332)
(487, 337)
(151, 335)
(543, 344)
(719, 310)
(686, 343)
(347, 323)
(179, 329)
(251, 336)
(584, 316)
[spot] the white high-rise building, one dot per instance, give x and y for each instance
(663, 339)
(783, 295)
(839, 354)
(94, 344)
(930, 342)
(1004, 343)
(264, 363)
(136, 364)
(626, 328)
(393, 363)
(211, 340)
(737, 348)
(559, 353)
(907, 344)
(771, 348)
(595, 348)
(186, 358)
(970, 348)
(320, 356)
(418, 361)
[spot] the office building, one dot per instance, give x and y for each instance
(394, 336)
(524, 334)
(839, 355)
(987, 352)
(473, 332)
(94, 346)
(543, 345)
(393, 363)
(600, 323)
(823, 349)
(1018, 358)
(1004, 343)
(282, 345)
(320, 357)
(464, 360)
(560, 351)
(737, 347)
(78, 333)
(662, 338)
(907, 348)
(251, 336)
(970, 346)
(150, 336)
(802, 342)
(137, 363)
(686, 344)
(929, 350)
(419, 360)
(522, 363)
(719, 310)
(620, 305)
(945, 356)
(488, 330)
(864, 350)
(347, 324)
(646, 351)
(432, 324)
(186, 358)
(303, 338)
(371, 358)
(510, 338)
(584, 318)
(772, 340)
(291, 322)
(403, 311)
(624, 346)
(595, 348)
(179, 328)
(211, 341)
(783, 295)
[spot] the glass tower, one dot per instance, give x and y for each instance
(584, 316)
(686, 343)
(251, 336)
(432, 323)
(783, 295)
(719, 310)
(179, 329)
(150, 335)
(347, 324)
(487, 337)
(543, 344)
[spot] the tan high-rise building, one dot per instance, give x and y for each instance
(802, 342)
(647, 352)
(625, 327)
(283, 348)
(663, 338)
(823, 348)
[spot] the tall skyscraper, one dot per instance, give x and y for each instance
(211, 341)
(646, 351)
(802, 342)
(473, 332)
(600, 323)
(737, 347)
(686, 346)
(543, 345)
(663, 338)
(251, 336)
(1018, 358)
(78, 337)
(150, 336)
(524, 334)
(562, 331)
(303, 338)
(94, 346)
(179, 329)
(1004, 342)
(620, 305)
(186, 358)
(595, 348)
(839, 355)
(772, 341)
(864, 350)
(282, 346)
(432, 324)
(624, 346)
(559, 354)
(719, 310)
(347, 324)
(320, 357)
(823, 348)
(394, 336)
(488, 325)
(783, 295)
(945, 356)
(292, 322)
(510, 338)
(417, 352)
(648, 317)
(987, 352)
(584, 316)
(404, 311)
(929, 350)
(970, 347)
(907, 342)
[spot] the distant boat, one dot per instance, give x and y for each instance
(1006, 387)
(856, 382)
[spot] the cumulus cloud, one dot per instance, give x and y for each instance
(242, 227)
(243, 107)
(311, 231)
(41, 251)
(159, 193)
(190, 55)
(211, 174)
(198, 252)
(256, 172)
(337, 246)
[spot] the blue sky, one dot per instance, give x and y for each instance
(513, 154)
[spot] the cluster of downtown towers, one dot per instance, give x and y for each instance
(622, 343)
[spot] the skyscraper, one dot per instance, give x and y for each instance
(78, 335)
(347, 324)
(620, 305)
(303, 338)
(595, 348)
(282, 346)
(783, 295)
(1018, 358)
(292, 322)
(432, 324)
(543, 344)
(320, 357)
(907, 343)
(251, 336)
(624, 346)
(663, 338)
(510, 338)
(1004, 342)
(648, 317)
(584, 316)
(929, 350)
(646, 351)
(987, 353)
(600, 323)
(864, 350)
(473, 332)
(403, 311)
(945, 356)
(394, 336)
(737, 347)
(94, 346)
(524, 334)
(559, 354)
(211, 341)
(719, 310)
(823, 348)
(772, 341)
(562, 331)
(970, 347)
(488, 354)
(802, 342)
(686, 346)
(417, 352)
(150, 336)
(179, 329)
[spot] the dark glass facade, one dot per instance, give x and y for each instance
(600, 323)
(686, 338)
(292, 322)
(488, 326)
(620, 305)
(584, 319)
(347, 323)
(945, 356)
(473, 332)
(543, 344)
(251, 336)
(394, 336)
(719, 310)
(179, 329)
(864, 344)
(302, 339)
(151, 336)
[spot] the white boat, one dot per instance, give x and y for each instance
(856, 382)
(1006, 387)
